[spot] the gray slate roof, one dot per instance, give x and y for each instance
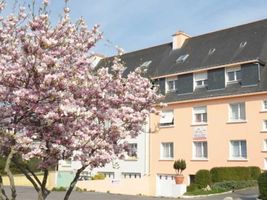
(227, 50)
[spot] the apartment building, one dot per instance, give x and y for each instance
(215, 88)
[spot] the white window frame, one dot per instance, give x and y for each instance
(202, 156)
(265, 164)
(264, 125)
(239, 157)
(202, 110)
(264, 105)
(131, 149)
(167, 80)
(203, 77)
(170, 151)
(232, 69)
(166, 115)
(264, 145)
(239, 117)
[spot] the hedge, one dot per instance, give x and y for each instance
(220, 174)
(262, 182)
(203, 178)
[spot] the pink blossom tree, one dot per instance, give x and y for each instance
(54, 105)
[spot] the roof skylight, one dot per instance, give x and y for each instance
(182, 58)
(243, 44)
(146, 63)
(211, 51)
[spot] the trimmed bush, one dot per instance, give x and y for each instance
(220, 174)
(255, 173)
(203, 178)
(262, 182)
(192, 187)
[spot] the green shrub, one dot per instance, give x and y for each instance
(220, 174)
(99, 176)
(192, 187)
(262, 182)
(233, 185)
(59, 189)
(254, 173)
(203, 178)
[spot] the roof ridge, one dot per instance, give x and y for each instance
(229, 28)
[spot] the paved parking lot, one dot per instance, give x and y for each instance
(27, 193)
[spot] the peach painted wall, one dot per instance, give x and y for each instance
(219, 134)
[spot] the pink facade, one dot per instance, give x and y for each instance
(218, 133)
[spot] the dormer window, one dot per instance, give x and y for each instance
(200, 80)
(233, 75)
(170, 84)
(182, 58)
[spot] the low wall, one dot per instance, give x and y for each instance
(21, 180)
(131, 186)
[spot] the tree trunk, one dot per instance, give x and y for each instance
(73, 183)
(3, 195)
(10, 175)
(42, 192)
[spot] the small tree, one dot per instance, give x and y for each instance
(179, 166)
(55, 105)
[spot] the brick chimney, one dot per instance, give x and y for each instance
(178, 39)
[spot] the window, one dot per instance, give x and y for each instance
(238, 149)
(166, 150)
(166, 118)
(265, 145)
(131, 175)
(132, 151)
(233, 74)
(200, 80)
(200, 150)
(265, 163)
(170, 84)
(109, 175)
(182, 58)
(200, 114)
(264, 105)
(237, 112)
(264, 125)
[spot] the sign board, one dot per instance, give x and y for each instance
(200, 132)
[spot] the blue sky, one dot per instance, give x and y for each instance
(137, 24)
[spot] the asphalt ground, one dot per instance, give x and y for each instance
(28, 193)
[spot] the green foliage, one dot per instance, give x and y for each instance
(192, 187)
(220, 174)
(254, 172)
(203, 178)
(32, 164)
(203, 192)
(179, 165)
(58, 189)
(233, 185)
(262, 182)
(99, 176)
(77, 189)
